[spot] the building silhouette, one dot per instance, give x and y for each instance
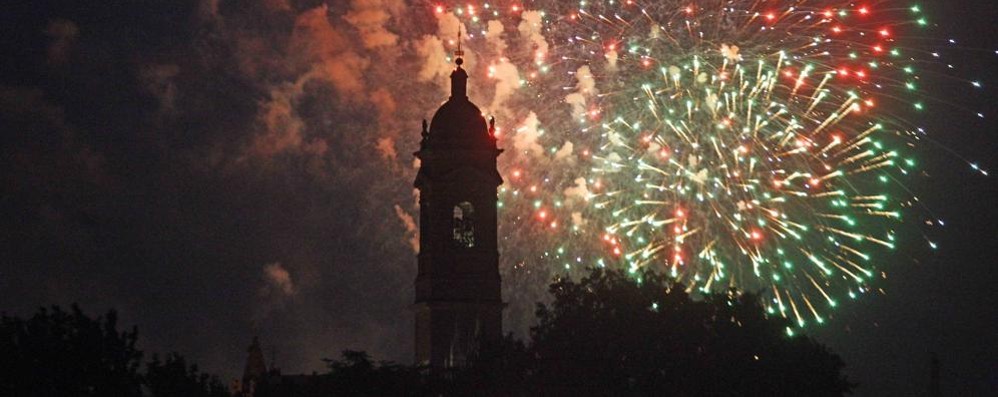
(255, 365)
(458, 298)
(254, 371)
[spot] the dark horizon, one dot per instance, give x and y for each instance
(162, 160)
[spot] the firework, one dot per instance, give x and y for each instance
(736, 145)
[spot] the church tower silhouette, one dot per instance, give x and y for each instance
(458, 298)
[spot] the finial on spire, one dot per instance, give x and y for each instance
(459, 78)
(459, 53)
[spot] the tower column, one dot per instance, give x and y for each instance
(458, 296)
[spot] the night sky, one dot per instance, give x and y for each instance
(216, 170)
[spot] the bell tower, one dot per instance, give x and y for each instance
(458, 298)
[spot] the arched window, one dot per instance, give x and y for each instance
(464, 224)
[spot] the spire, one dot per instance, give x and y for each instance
(459, 78)
(459, 53)
(255, 366)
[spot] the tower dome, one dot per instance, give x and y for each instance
(458, 122)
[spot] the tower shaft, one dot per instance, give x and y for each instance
(458, 297)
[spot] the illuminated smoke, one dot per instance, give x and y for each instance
(507, 81)
(493, 34)
(530, 29)
(370, 17)
(611, 60)
(411, 230)
(435, 67)
(580, 191)
(282, 126)
(386, 146)
(318, 46)
(565, 153)
(525, 140)
(585, 89)
(278, 280)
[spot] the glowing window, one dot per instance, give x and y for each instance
(464, 224)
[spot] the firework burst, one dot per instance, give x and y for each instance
(736, 145)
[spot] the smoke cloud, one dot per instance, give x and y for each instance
(326, 52)
(386, 146)
(283, 128)
(611, 60)
(580, 191)
(565, 152)
(585, 89)
(370, 17)
(411, 230)
(507, 81)
(493, 34)
(525, 140)
(278, 280)
(531, 30)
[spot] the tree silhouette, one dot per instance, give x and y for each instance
(175, 378)
(355, 374)
(60, 353)
(608, 334)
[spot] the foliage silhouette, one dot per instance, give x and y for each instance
(175, 378)
(67, 353)
(353, 375)
(62, 353)
(610, 334)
